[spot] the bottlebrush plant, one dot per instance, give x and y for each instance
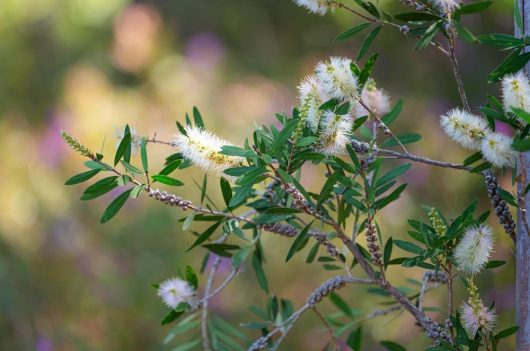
(342, 128)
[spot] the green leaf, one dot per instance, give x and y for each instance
(170, 167)
(392, 346)
(299, 241)
(115, 206)
(99, 188)
(393, 196)
(393, 174)
(312, 253)
(473, 7)
(369, 7)
(143, 154)
(124, 148)
(473, 158)
(81, 177)
(343, 109)
(511, 64)
(506, 332)
(221, 249)
(410, 247)
(327, 188)
(521, 114)
(341, 304)
(205, 235)
(350, 32)
(501, 40)
(494, 264)
(226, 190)
(132, 169)
(197, 118)
(355, 339)
(428, 36)
(171, 316)
(367, 42)
(191, 277)
(240, 256)
(137, 190)
(257, 264)
(387, 253)
(230, 150)
(164, 179)
(464, 33)
(392, 115)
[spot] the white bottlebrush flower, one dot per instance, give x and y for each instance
(475, 315)
(516, 92)
(320, 7)
(446, 5)
(136, 140)
(464, 128)
(335, 133)
(175, 291)
(337, 78)
(497, 149)
(203, 148)
(376, 99)
(474, 249)
(312, 96)
(473, 319)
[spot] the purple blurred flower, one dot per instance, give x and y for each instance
(43, 344)
(205, 49)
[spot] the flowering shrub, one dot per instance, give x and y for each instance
(341, 127)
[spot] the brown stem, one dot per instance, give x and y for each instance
(456, 72)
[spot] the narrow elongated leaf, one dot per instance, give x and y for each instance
(367, 42)
(132, 169)
(82, 177)
(410, 247)
(197, 118)
(124, 148)
(99, 188)
(115, 206)
(501, 40)
(327, 188)
(297, 244)
(341, 304)
(392, 115)
(226, 189)
(393, 174)
(473, 7)
(164, 179)
(392, 346)
(350, 32)
(143, 154)
(205, 235)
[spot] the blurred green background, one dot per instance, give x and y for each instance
(90, 66)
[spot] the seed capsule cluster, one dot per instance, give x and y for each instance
(360, 146)
(169, 199)
(325, 289)
(278, 228)
(330, 248)
(373, 246)
(299, 200)
(438, 332)
(500, 206)
(435, 277)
